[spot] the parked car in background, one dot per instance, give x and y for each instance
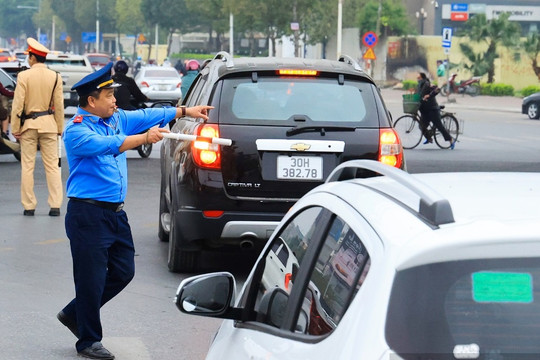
(159, 83)
(98, 60)
(446, 266)
(292, 121)
(13, 68)
(6, 55)
(20, 55)
(531, 106)
(72, 68)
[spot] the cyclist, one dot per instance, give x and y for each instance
(430, 110)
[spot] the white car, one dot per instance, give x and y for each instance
(435, 266)
(72, 68)
(159, 83)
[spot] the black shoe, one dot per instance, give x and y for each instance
(96, 351)
(54, 212)
(29, 212)
(69, 323)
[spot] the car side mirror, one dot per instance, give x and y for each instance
(272, 307)
(207, 295)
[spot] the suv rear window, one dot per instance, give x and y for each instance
(161, 73)
(65, 62)
(278, 100)
(467, 307)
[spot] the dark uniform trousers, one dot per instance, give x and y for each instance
(103, 264)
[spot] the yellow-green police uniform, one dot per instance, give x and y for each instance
(35, 87)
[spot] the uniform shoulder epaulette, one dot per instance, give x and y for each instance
(77, 119)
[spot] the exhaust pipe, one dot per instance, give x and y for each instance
(247, 240)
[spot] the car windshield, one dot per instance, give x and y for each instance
(467, 307)
(161, 73)
(280, 100)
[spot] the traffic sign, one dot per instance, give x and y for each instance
(369, 54)
(447, 37)
(370, 39)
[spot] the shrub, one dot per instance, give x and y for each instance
(409, 84)
(526, 91)
(497, 89)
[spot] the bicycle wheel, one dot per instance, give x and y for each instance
(451, 125)
(408, 129)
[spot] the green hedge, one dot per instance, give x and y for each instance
(497, 89)
(409, 84)
(526, 91)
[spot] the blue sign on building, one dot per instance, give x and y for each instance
(43, 39)
(460, 7)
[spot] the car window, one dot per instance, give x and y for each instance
(341, 268)
(161, 73)
(6, 80)
(287, 251)
(103, 60)
(280, 100)
(70, 62)
(333, 280)
(470, 307)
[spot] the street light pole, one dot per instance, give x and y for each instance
(421, 16)
(339, 27)
(97, 25)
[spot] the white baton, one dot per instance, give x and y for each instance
(188, 137)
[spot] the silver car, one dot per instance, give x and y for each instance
(159, 83)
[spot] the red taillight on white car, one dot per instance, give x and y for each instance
(390, 149)
(206, 154)
(145, 84)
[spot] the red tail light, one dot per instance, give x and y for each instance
(205, 154)
(390, 149)
(213, 213)
(178, 85)
(144, 83)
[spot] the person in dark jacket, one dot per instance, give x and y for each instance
(430, 110)
(128, 95)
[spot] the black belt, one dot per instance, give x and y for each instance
(102, 204)
(34, 115)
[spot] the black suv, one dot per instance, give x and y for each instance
(291, 121)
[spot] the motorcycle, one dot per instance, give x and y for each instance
(10, 147)
(470, 87)
(146, 149)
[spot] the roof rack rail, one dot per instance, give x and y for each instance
(433, 206)
(350, 61)
(226, 57)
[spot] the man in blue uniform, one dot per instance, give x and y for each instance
(96, 139)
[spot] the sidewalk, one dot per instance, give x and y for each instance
(481, 102)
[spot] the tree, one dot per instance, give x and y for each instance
(16, 21)
(494, 32)
(321, 23)
(211, 16)
(532, 49)
(393, 18)
(130, 19)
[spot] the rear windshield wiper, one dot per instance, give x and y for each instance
(323, 129)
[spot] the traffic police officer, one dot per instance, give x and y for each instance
(39, 103)
(96, 139)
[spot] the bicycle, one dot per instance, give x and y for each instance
(410, 133)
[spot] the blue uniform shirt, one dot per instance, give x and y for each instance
(97, 168)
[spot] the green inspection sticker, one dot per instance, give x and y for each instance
(502, 287)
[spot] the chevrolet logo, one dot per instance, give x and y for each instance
(300, 147)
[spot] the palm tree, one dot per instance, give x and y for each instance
(532, 48)
(494, 32)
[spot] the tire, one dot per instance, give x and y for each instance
(451, 125)
(444, 88)
(533, 111)
(408, 129)
(162, 234)
(473, 90)
(145, 150)
(178, 260)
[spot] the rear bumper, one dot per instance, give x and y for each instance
(232, 228)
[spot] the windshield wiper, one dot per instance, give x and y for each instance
(323, 129)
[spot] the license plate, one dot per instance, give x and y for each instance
(299, 167)
(163, 87)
